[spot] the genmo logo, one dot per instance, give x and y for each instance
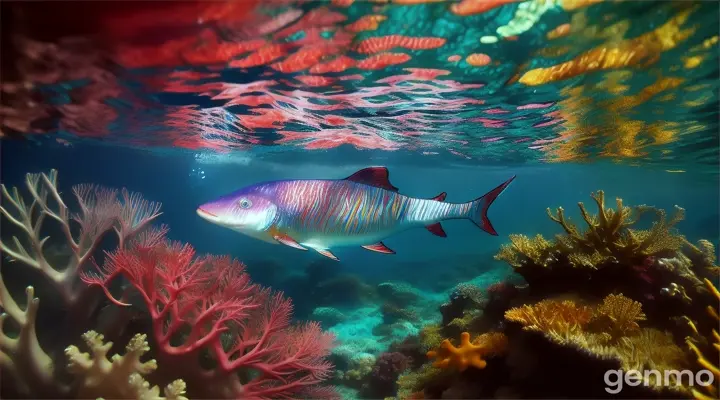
(616, 378)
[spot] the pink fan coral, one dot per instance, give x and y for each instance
(209, 303)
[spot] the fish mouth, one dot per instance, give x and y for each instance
(206, 214)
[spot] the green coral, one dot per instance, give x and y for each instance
(431, 336)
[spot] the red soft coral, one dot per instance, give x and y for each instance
(212, 305)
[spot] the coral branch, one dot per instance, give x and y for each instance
(609, 236)
(121, 378)
(212, 300)
(99, 211)
(22, 355)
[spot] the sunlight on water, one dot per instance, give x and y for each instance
(552, 80)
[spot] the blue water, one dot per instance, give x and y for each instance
(182, 180)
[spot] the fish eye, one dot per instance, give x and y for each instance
(245, 203)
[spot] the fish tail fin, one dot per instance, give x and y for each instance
(479, 208)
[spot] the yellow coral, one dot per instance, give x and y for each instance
(551, 315)
(623, 314)
(617, 316)
(647, 349)
(610, 331)
(523, 248)
(468, 353)
(121, 377)
(610, 235)
(609, 231)
(707, 362)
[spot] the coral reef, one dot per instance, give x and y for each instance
(463, 296)
(208, 303)
(382, 380)
(213, 328)
(357, 370)
(609, 330)
(328, 316)
(656, 266)
(398, 293)
(611, 235)
(616, 297)
(122, 377)
(101, 211)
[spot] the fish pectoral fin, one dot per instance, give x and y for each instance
(327, 253)
(436, 229)
(379, 247)
(288, 241)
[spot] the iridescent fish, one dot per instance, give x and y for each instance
(360, 210)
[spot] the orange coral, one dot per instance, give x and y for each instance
(468, 354)
(622, 312)
(550, 315)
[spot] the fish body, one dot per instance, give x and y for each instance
(360, 210)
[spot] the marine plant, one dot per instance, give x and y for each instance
(207, 307)
(101, 210)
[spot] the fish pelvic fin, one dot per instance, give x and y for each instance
(379, 247)
(288, 241)
(327, 253)
(436, 229)
(479, 208)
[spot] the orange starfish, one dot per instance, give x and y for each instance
(468, 354)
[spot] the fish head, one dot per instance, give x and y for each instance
(246, 210)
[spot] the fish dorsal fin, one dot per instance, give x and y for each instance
(373, 176)
(440, 197)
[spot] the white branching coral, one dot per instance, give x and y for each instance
(100, 211)
(121, 377)
(21, 356)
